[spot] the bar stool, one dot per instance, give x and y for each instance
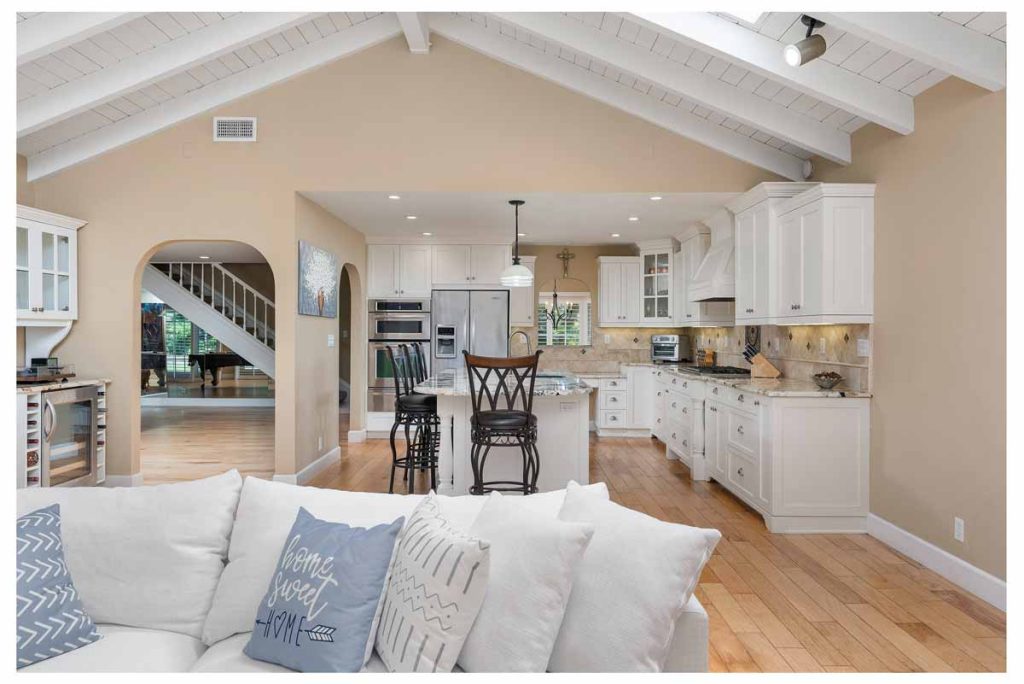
(502, 393)
(416, 413)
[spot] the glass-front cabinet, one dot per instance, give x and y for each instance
(46, 286)
(656, 260)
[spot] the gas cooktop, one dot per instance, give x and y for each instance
(718, 370)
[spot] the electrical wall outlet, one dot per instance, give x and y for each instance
(863, 347)
(958, 529)
(821, 346)
(330, 341)
(607, 339)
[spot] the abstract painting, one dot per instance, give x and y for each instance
(318, 281)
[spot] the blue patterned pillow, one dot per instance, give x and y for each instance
(321, 610)
(50, 616)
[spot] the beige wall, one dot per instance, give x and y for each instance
(382, 120)
(259, 277)
(938, 419)
(316, 365)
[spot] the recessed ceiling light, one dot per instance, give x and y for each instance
(656, 198)
(615, 235)
(204, 257)
(427, 234)
(410, 217)
(634, 218)
(394, 197)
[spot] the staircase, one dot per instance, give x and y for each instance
(220, 303)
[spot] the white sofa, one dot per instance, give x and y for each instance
(149, 564)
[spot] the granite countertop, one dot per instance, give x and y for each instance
(595, 374)
(455, 383)
(69, 384)
(780, 387)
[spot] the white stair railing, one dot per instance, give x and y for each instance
(232, 297)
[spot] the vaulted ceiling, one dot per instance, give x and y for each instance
(90, 82)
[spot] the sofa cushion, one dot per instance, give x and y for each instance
(638, 569)
(128, 649)
(228, 655)
(321, 609)
(145, 556)
(533, 561)
(436, 589)
(50, 616)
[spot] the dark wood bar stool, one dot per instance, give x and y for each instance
(502, 393)
(417, 415)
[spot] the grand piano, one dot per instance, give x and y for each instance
(213, 362)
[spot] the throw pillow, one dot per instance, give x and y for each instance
(634, 580)
(436, 589)
(321, 610)
(533, 558)
(51, 620)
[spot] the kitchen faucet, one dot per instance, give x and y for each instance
(529, 346)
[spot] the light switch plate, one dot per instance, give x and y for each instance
(958, 529)
(330, 341)
(863, 346)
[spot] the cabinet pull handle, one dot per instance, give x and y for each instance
(757, 402)
(673, 435)
(684, 442)
(740, 398)
(684, 409)
(796, 306)
(739, 471)
(673, 404)
(750, 311)
(714, 390)
(740, 429)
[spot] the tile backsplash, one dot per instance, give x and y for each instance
(796, 350)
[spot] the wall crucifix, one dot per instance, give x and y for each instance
(565, 255)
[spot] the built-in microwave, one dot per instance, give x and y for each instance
(399, 319)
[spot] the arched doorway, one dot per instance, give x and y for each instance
(207, 361)
(351, 356)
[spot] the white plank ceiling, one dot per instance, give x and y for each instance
(64, 139)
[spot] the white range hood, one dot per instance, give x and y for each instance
(715, 279)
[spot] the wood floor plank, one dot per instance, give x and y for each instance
(808, 602)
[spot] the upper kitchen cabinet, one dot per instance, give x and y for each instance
(522, 302)
(756, 220)
(398, 271)
(825, 256)
(693, 246)
(656, 262)
(46, 267)
(472, 265)
(618, 291)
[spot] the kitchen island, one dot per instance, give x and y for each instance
(562, 405)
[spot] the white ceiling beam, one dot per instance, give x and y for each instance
(706, 90)
(48, 32)
(616, 95)
(417, 31)
(762, 55)
(137, 72)
(341, 44)
(938, 42)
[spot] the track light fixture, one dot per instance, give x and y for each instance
(811, 47)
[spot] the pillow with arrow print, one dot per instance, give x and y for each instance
(321, 610)
(51, 620)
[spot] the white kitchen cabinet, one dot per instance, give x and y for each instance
(656, 289)
(618, 291)
(693, 245)
(522, 301)
(46, 266)
(825, 260)
(473, 265)
(398, 270)
(641, 392)
(714, 450)
(414, 273)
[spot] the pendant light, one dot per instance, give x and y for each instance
(516, 275)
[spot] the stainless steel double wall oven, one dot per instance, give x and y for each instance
(392, 322)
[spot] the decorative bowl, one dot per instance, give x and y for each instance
(827, 382)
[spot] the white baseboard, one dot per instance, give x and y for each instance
(987, 587)
(356, 436)
(311, 471)
(123, 480)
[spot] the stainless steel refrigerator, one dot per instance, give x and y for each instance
(474, 320)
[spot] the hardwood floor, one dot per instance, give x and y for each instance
(804, 603)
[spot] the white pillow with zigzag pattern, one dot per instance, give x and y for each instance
(437, 585)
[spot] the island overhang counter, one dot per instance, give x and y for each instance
(562, 405)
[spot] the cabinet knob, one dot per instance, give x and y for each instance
(740, 429)
(740, 398)
(714, 390)
(684, 409)
(614, 400)
(673, 435)
(673, 404)
(739, 471)
(613, 418)
(684, 442)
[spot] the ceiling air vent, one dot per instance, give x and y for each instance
(234, 128)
